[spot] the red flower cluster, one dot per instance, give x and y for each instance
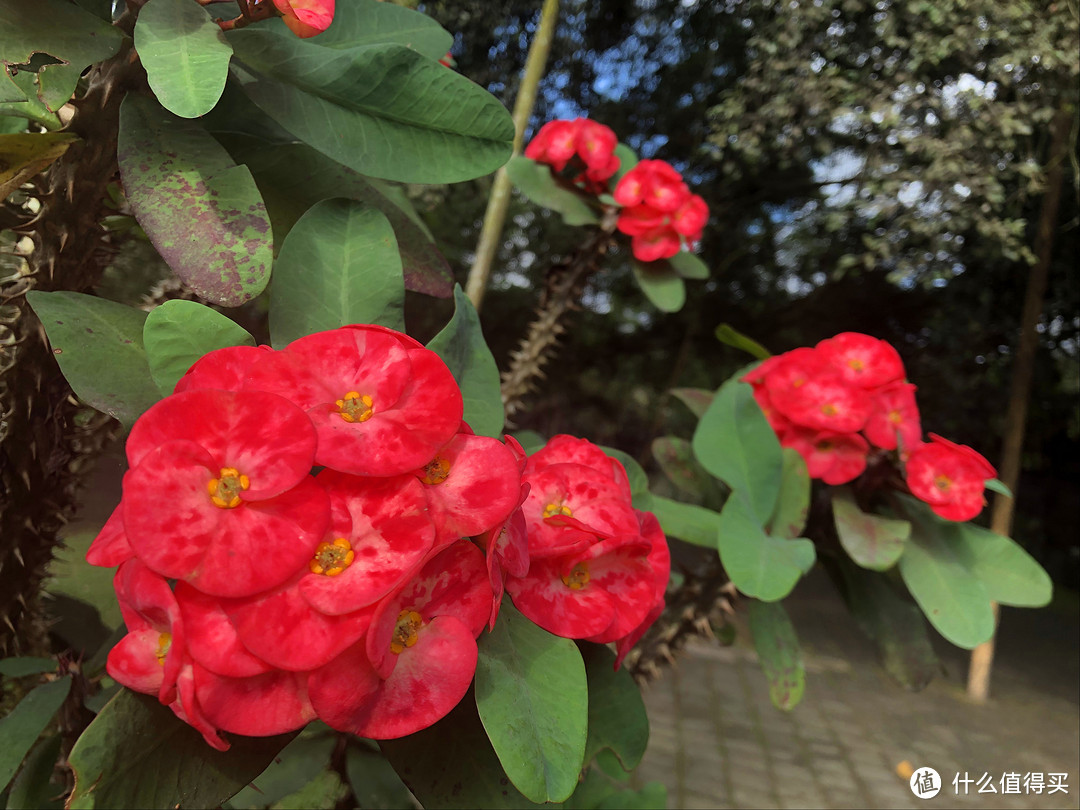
(659, 212)
(598, 567)
(832, 402)
(338, 538)
(587, 145)
(306, 18)
(351, 593)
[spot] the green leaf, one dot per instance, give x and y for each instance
(697, 400)
(597, 791)
(793, 503)
(452, 764)
(690, 523)
(617, 718)
(726, 333)
(294, 177)
(894, 622)
(293, 768)
(1010, 574)
(734, 442)
(61, 30)
(676, 459)
(20, 729)
(339, 265)
(177, 333)
(778, 652)
(325, 792)
(639, 481)
(383, 110)
(997, 485)
(99, 347)
(462, 347)
(370, 22)
(21, 666)
(137, 753)
(33, 788)
(628, 159)
(32, 108)
(937, 573)
(532, 696)
(536, 182)
(185, 54)
(688, 265)
(761, 566)
(373, 779)
(201, 211)
(661, 284)
(873, 541)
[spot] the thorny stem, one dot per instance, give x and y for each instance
(563, 287)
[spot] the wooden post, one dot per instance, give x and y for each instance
(982, 657)
(499, 199)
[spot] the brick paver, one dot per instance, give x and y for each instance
(717, 741)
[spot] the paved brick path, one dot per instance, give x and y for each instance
(717, 741)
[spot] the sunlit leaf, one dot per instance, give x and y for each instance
(177, 333)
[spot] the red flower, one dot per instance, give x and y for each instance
(110, 547)
(862, 360)
(950, 477)
(894, 414)
(419, 656)
(652, 183)
(471, 484)
(148, 659)
(554, 144)
(224, 368)
(589, 144)
(381, 404)
(272, 703)
(805, 389)
(834, 457)
(229, 508)
(658, 210)
(306, 18)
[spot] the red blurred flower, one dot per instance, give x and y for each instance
(861, 359)
(950, 477)
(306, 18)
(834, 457)
(894, 415)
(658, 210)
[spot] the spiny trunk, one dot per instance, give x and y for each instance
(43, 452)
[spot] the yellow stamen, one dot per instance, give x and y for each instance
(895, 417)
(332, 558)
(828, 409)
(553, 509)
(436, 471)
(405, 632)
(164, 642)
(855, 364)
(943, 482)
(355, 407)
(578, 577)
(226, 488)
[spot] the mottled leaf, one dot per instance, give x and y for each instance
(532, 696)
(177, 333)
(185, 55)
(778, 652)
(873, 541)
(99, 347)
(462, 347)
(383, 110)
(339, 265)
(676, 459)
(202, 212)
